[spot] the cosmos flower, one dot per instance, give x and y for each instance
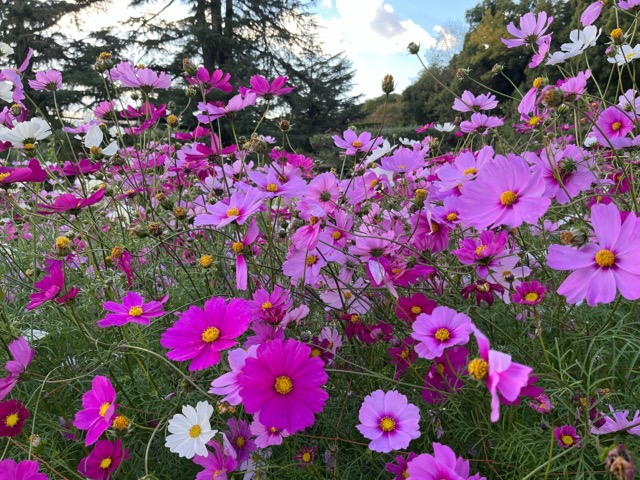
(68, 202)
(532, 30)
(104, 459)
(529, 293)
(238, 208)
(468, 102)
(444, 376)
(618, 421)
(22, 355)
(12, 418)
(441, 329)
(47, 80)
(283, 385)
(25, 470)
(353, 143)
(388, 420)
(99, 409)
(216, 79)
(480, 123)
(132, 309)
(442, 465)
(50, 287)
(591, 13)
(227, 384)
(235, 104)
(26, 134)
(263, 88)
(566, 436)
(216, 465)
(191, 430)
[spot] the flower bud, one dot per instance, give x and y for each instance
(388, 85)
(413, 48)
(188, 67)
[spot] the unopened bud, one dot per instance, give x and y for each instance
(413, 48)
(189, 67)
(388, 85)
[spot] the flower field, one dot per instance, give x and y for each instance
(207, 302)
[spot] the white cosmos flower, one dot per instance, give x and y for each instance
(191, 430)
(93, 139)
(25, 132)
(380, 152)
(580, 41)
(5, 49)
(5, 91)
(445, 127)
(625, 54)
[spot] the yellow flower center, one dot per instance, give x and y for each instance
(306, 457)
(311, 260)
(233, 212)
(210, 335)
(315, 352)
(240, 442)
(267, 305)
(616, 33)
(206, 261)
(237, 247)
(12, 420)
(29, 146)
(272, 187)
(103, 408)
(421, 194)
(355, 318)
(452, 216)
(537, 83)
(283, 385)
(508, 198)
(195, 431)
(605, 258)
(95, 150)
(405, 474)
(480, 249)
(616, 126)
(373, 183)
(440, 368)
(531, 297)
(135, 311)
(470, 171)
(3, 176)
(628, 56)
(347, 295)
(478, 368)
(336, 235)
(62, 242)
(357, 143)
(567, 440)
(404, 353)
(443, 334)
(105, 463)
(533, 121)
(116, 252)
(387, 424)
(120, 423)
(416, 310)
(273, 430)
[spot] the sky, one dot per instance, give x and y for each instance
(373, 34)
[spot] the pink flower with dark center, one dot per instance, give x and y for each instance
(12, 418)
(238, 208)
(199, 335)
(240, 438)
(267, 436)
(441, 329)
(48, 80)
(104, 459)
(532, 30)
(542, 404)
(22, 355)
(468, 102)
(99, 409)
(132, 309)
(603, 267)
(389, 421)
(324, 190)
(283, 385)
(304, 264)
(480, 123)
(484, 252)
(403, 160)
(566, 436)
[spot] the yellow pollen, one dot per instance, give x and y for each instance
(104, 56)
(273, 430)
(105, 463)
(616, 33)
(347, 295)
(306, 457)
(396, 271)
(313, 220)
(443, 334)
(272, 187)
(402, 167)
(103, 408)
(533, 121)
(628, 56)
(237, 247)
(206, 261)
(195, 431)
(116, 252)
(616, 126)
(387, 424)
(416, 310)
(508, 198)
(537, 83)
(355, 318)
(233, 212)
(267, 305)
(4, 175)
(435, 228)
(531, 297)
(357, 143)
(405, 474)
(62, 242)
(240, 441)
(480, 249)
(29, 146)
(210, 335)
(506, 273)
(135, 312)
(283, 385)
(440, 368)
(172, 119)
(605, 258)
(120, 423)
(95, 150)
(470, 171)
(336, 235)
(315, 352)
(373, 183)
(421, 193)
(404, 353)
(478, 368)
(12, 420)
(567, 440)
(311, 260)
(452, 216)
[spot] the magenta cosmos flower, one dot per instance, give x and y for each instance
(22, 355)
(532, 30)
(26, 470)
(566, 436)
(70, 203)
(619, 422)
(199, 335)
(602, 267)
(132, 309)
(216, 465)
(529, 293)
(262, 88)
(48, 80)
(591, 13)
(99, 409)
(283, 385)
(213, 112)
(506, 192)
(443, 378)
(12, 418)
(501, 374)
(442, 465)
(612, 123)
(208, 81)
(441, 329)
(480, 123)
(104, 459)
(50, 288)
(389, 421)
(468, 102)
(238, 208)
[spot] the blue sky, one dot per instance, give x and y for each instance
(374, 35)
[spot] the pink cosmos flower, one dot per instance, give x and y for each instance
(240, 248)
(602, 267)
(272, 184)
(31, 173)
(542, 404)
(628, 4)
(70, 203)
(22, 355)
(143, 78)
(485, 251)
(619, 422)
(216, 465)
(12, 418)
(532, 30)
(403, 160)
(283, 385)
(591, 13)
(305, 265)
(104, 459)
(399, 469)
(208, 81)
(444, 376)
(442, 465)
(238, 208)
(262, 88)
(529, 293)
(25, 470)
(239, 436)
(48, 80)
(99, 409)
(441, 329)
(353, 143)
(132, 309)
(612, 123)
(235, 104)
(566, 436)
(501, 374)
(50, 287)
(199, 335)
(409, 308)
(388, 420)
(267, 436)
(227, 384)
(480, 123)
(468, 102)
(543, 49)
(325, 191)
(506, 194)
